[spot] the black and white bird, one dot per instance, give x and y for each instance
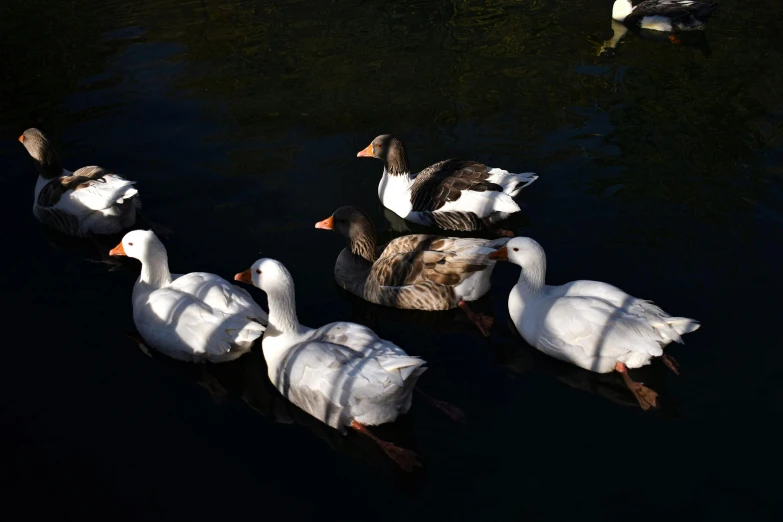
(664, 15)
(452, 194)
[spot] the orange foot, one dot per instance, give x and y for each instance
(671, 363)
(503, 232)
(404, 458)
(483, 322)
(673, 39)
(646, 397)
(454, 413)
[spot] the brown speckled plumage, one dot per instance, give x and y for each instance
(417, 271)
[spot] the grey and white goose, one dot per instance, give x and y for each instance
(414, 272)
(90, 200)
(453, 194)
(664, 15)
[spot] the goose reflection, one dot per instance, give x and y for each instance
(246, 379)
(590, 324)
(93, 249)
(520, 358)
(693, 39)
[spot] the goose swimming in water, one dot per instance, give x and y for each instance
(90, 200)
(452, 194)
(590, 324)
(414, 272)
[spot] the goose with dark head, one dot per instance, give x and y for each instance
(452, 194)
(415, 272)
(90, 200)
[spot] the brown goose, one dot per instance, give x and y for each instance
(90, 200)
(418, 272)
(452, 194)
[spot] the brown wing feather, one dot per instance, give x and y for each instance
(52, 192)
(445, 181)
(421, 271)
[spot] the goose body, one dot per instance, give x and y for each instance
(192, 317)
(90, 200)
(342, 373)
(664, 15)
(418, 271)
(452, 194)
(590, 324)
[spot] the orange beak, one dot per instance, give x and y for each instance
(326, 224)
(21, 138)
(499, 255)
(117, 251)
(245, 277)
(366, 152)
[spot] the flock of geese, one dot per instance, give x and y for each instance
(342, 373)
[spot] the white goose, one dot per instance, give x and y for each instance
(452, 194)
(88, 201)
(192, 317)
(342, 374)
(590, 324)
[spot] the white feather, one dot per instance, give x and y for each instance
(590, 324)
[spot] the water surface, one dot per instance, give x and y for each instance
(660, 172)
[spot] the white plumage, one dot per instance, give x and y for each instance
(105, 206)
(341, 373)
(191, 317)
(590, 324)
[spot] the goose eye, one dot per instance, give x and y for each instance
(130, 244)
(258, 270)
(516, 250)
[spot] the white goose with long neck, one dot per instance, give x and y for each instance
(341, 373)
(531, 281)
(591, 324)
(283, 329)
(192, 317)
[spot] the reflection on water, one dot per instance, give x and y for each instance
(660, 172)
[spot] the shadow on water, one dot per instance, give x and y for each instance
(245, 379)
(660, 171)
(520, 358)
(259, 392)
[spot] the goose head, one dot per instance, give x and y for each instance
(45, 155)
(138, 244)
(621, 9)
(356, 226)
(266, 274)
(389, 149)
(522, 251)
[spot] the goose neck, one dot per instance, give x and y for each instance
(155, 268)
(282, 309)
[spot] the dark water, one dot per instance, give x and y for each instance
(660, 171)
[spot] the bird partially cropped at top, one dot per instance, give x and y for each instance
(664, 15)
